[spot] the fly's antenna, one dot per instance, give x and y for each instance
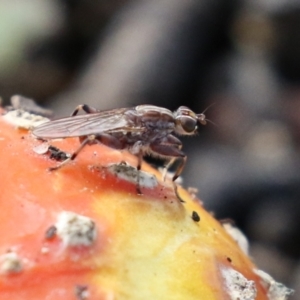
(211, 122)
(209, 106)
(202, 117)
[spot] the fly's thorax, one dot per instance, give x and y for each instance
(155, 119)
(152, 109)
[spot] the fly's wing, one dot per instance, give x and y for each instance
(106, 121)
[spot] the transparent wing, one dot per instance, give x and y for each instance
(81, 125)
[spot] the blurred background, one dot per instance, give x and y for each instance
(242, 57)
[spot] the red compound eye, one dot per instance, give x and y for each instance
(188, 124)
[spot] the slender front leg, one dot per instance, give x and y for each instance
(171, 142)
(166, 168)
(174, 152)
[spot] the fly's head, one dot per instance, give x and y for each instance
(187, 121)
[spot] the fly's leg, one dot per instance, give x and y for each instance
(174, 142)
(115, 143)
(138, 167)
(169, 164)
(104, 139)
(87, 140)
(85, 108)
(174, 152)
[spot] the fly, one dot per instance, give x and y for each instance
(144, 129)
